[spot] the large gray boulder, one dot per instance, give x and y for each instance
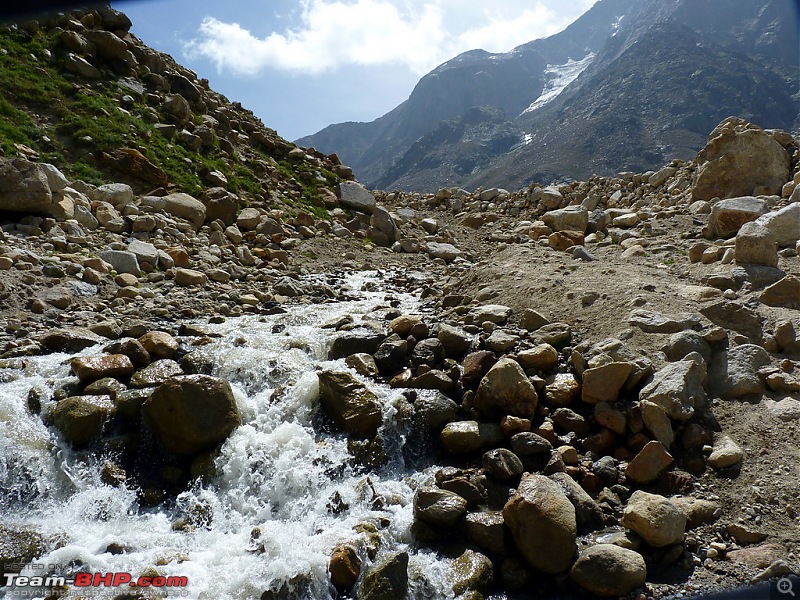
(186, 207)
(784, 224)
(734, 373)
(356, 196)
(677, 389)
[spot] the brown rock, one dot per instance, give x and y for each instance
(506, 389)
(657, 520)
(344, 566)
(785, 293)
(759, 557)
(81, 418)
(159, 344)
(349, 404)
(133, 163)
(92, 368)
(649, 464)
(603, 383)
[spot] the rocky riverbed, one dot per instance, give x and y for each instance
(578, 390)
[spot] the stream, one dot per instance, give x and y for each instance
(268, 520)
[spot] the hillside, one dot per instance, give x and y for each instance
(629, 85)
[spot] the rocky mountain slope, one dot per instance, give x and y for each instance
(658, 76)
(612, 365)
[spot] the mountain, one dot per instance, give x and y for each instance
(628, 86)
(78, 90)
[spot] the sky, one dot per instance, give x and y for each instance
(301, 65)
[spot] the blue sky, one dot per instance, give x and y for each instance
(303, 64)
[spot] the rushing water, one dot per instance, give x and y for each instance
(277, 472)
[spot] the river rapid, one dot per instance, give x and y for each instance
(267, 518)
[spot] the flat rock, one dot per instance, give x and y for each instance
(92, 368)
(653, 322)
(649, 464)
(493, 313)
(785, 293)
(356, 196)
(466, 437)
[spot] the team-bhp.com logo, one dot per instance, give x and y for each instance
(94, 580)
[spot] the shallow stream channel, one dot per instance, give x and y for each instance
(286, 490)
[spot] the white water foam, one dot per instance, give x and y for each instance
(276, 474)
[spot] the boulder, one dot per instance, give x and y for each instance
(486, 529)
(603, 383)
(447, 252)
(386, 580)
(438, 507)
(736, 316)
(677, 389)
(191, 413)
(588, 514)
(144, 252)
(506, 389)
(118, 195)
(542, 523)
(70, 339)
(784, 292)
(502, 464)
(186, 207)
(454, 341)
(728, 216)
(739, 161)
(472, 571)
(190, 277)
(541, 357)
(220, 204)
(80, 419)
(155, 373)
(654, 518)
(344, 566)
(92, 368)
(466, 437)
(756, 245)
(122, 261)
(649, 464)
(159, 344)
(24, 186)
(349, 404)
(571, 218)
(609, 570)
(734, 373)
(784, 224)
(356, 196)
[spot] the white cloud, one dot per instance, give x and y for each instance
(416, 34)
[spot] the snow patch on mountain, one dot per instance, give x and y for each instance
(558, 77)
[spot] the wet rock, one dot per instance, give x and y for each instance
(487, 531)
(603, 383)
(472, 571)
(475, 366)
(390, 355)
(191, 413)
(655, 519)
(69, 339)
(502, 464)
(19, 545)
(92, 368)
(159, 344)
(527, 443)
(363, 364)
(454, 341)
(609, 570)
(506, 389)
(155, 373)
(465, 437)
(438, 507)
(648, 465)
(354, 195)
(428, 352)
(80, 419)
(677, 389)
(132, 348)
(386, 580)
(542, 522)
(344, 566)
(726, 453)
(734, 373)
(588, 514)
(756, 245)
(349, 404)
(433, 410)
(403, 324)
(652, 322)
(355, 343)
(785, 293)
